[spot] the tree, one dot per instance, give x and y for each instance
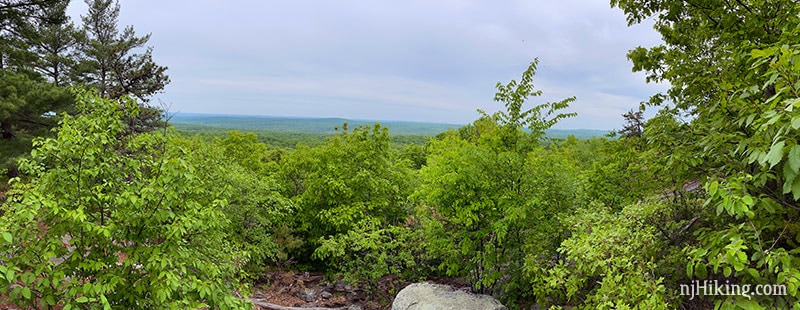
(109, 220)
(25, 100)
(491, 194)
(108, 61)
(611, 260)
(352, 178)
(24, 97)
(634, 124)
(54, 44)
(28, 100)
(536, 119)
(14, 15)
(732, 66)
(24, 103)
(256, 208)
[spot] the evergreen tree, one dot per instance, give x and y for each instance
(25, 94)
(109, 62)
(54, 43)
(634, 124)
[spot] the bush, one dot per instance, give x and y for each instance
(113, 220)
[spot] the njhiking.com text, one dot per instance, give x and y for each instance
(715, 288)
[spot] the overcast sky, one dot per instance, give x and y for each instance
(415, 60)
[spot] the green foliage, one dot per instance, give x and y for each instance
(734, 67)
(256, 208)
(42, 54)
(242, 175)
(24, 100)
(53, 40)
(108, 59)
(353, 177)
(113, 220)
(415, 154)
(617, 177)
(538, 118)
(491, 195)
(369, 252)
(610, 261)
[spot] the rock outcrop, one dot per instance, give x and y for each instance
(429, 296)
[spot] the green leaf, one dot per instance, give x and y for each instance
(7, 237)
(753, 273)
(26, 292)
(775, 154)
(794, 158)
(105, 303)
(748, 200)
(82, 299)
(748, 304)
(701, 270)
(757, 53)
(712, 189)
(796, 189)
(700, 252)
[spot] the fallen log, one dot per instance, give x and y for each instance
(263, 304)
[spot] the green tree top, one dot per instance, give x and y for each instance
(514, 120)
(109, 62)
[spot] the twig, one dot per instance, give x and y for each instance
(260, 303)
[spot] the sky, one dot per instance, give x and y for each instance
(414, 60)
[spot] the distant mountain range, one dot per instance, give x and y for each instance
(327, 125)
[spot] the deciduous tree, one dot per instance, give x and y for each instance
(733, 67)
(110, 220)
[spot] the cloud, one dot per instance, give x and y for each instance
(414, 60)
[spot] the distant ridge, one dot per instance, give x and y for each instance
(326, 125)
(305, 124)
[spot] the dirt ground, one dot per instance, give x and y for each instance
(304, 290)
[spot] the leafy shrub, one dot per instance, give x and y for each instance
(353, 178)
(370, 252)
(491, 195)
(609, 262)
(111, 220)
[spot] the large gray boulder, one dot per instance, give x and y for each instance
(429, 296)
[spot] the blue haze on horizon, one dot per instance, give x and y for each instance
(424, 61)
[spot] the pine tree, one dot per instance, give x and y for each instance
(25, 95)
(54, 42)
(634, 124)
(109, 62)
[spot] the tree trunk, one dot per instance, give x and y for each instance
(13, 171)
(6, 132)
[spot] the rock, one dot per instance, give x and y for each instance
(325, 295)
(307, 294)
(353, 297)
(429, 296)
(341, 286)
